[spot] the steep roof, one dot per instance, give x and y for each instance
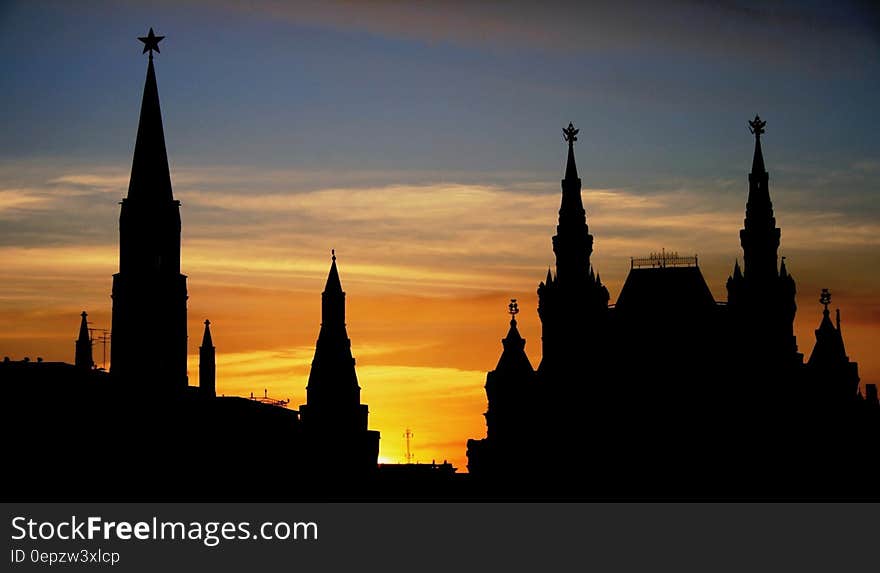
(513, 358)
(150, 176)
(677, 288)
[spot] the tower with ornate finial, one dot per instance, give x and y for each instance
(572, 304)
(149, 292)
(333, 417)
(83, 357)
(207, 364)
(761, 296)
(760, 235)
(508, 386)
(510, 391)
(835, 380)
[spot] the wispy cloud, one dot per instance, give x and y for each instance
(428, 267)
(444, 235)
(14, 200)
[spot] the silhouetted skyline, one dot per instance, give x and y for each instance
(668, 392)
(307, 112)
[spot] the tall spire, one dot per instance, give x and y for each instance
(149, 326)
(759, 204)
(150, 177)
(572, 207)
(334, 421)
(207, 364)
(572, 243)
(333, 393)
(83, 356)
(760, 236)
(333, 305)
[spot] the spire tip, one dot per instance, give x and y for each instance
(756, 126)
(151, 42)
(569, 134)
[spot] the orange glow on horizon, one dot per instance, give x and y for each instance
(428, 272)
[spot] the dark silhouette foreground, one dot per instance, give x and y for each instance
(668, 393)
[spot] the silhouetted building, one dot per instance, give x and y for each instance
(573, 304)
(207, 364)
(149, 292)
(668, 392)
(83, 356)
(761, 295)
(334, 420)
(834, 379)
(511, 389)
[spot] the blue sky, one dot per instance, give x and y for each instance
(301, 86)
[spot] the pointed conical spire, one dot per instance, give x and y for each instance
(758, 158)
(84, 326)
(333, 300)
(783, 272)
(760, 235)
(572, 243)
(829, 348)
(549, 276)
(737, 272)
(83, 356)
(513, 334)
(513, 357)
(572, 207)
(333, 283)
(207, 364)
(150, 177)
(206, 337)
(570, 135)
(149, 323)
(759, 194)
(333, 393)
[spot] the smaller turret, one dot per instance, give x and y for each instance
(837, 377)
(83, 357)
(207, 364)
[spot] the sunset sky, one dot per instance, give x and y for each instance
(423, 142)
